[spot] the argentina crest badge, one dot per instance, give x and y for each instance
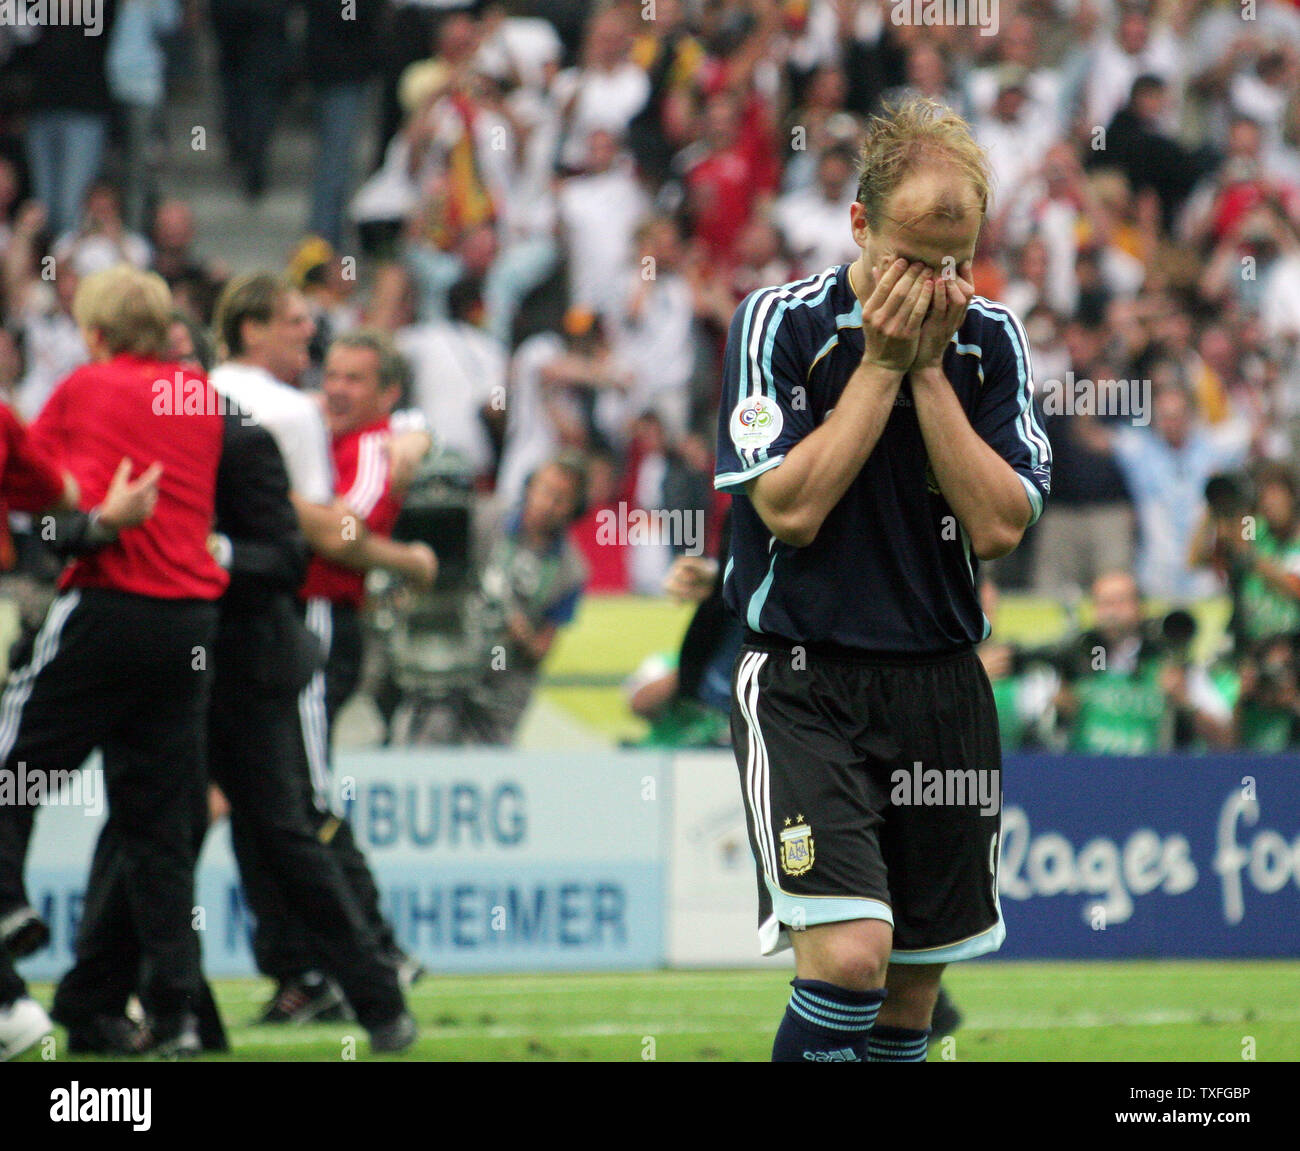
(797, 849)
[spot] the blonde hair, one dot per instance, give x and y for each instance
(131, 309)
(910, 135)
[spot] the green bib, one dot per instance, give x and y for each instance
(1264, 610)
(1120, 714)
(1011, 728)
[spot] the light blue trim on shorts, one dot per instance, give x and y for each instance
(811, 911)
(981, 944)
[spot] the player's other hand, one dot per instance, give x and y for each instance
(952, 295)
(691, 578)
(128, 503)
(997, 659)
(893, 312)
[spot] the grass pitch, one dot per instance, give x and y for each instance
(1141, 1012)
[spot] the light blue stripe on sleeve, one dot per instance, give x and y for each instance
(1026, 421)
(1035, 499)
(739, 479)
(759, 598)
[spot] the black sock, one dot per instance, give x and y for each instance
(826, 1024)
(897, 1044)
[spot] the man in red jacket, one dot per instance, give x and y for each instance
(121, 662)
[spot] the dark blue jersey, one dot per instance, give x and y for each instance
(891, 569)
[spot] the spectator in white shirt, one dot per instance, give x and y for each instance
(599, 214)
(1018, 43)
(42, 311)
(459, 379)
(655, 336)
(1280, 285)
(605, 92)
(555, 384)
(102, 240)
(525, 48)
(1266, 93)
(1135, 49)
(1013, 135)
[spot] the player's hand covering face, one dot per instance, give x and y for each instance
(893, 313)
(948, 306)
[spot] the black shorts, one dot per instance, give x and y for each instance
(872, 789)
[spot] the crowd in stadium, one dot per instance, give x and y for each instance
(555, 208)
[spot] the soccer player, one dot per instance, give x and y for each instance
(878, 433)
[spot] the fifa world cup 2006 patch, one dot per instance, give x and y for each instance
(797, 848)
(755, 423)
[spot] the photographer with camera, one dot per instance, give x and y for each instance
(529, 580)
(1129, 686)
(1252, 539)
(1254, 545)
(1265, 690)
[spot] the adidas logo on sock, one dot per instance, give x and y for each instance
(843, 1055)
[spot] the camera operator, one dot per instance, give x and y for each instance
(1129, 685)
(1255, 547)
(1266, 685)
(530, 579)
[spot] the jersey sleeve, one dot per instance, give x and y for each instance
(47, 430)
(764, 410)
(374, 479)
(31, 480)
(1005, 417)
